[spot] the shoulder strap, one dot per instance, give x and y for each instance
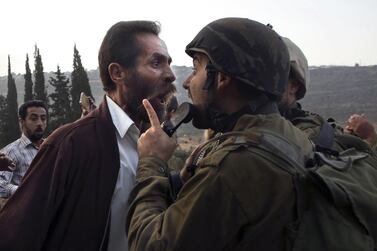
(325, 139)
(263, 139)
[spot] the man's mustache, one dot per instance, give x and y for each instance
(159, 93)
(39, 130)
(163, 92)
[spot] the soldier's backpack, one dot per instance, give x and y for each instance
(336, 191)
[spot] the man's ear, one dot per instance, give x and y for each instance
(116, 72)
(223, 81)
(293, 87)
(21, 123)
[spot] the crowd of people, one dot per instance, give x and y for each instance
(103, 183)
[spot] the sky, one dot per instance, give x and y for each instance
(329, 32)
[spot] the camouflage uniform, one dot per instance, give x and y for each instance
(373, 143)
(237, 200)
(306, 121)
(311, 123)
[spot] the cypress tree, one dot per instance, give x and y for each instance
(40, 92)
(60, 108)
(11, 127)
(28, 81)
(80, 83)
(3, 117)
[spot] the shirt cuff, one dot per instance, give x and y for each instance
(12, 189)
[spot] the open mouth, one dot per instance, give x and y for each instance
(163, 98)
(163, 95)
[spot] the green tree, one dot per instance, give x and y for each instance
(3, 116)
(80, 83)
(40, 92)
(28, 81)
(11, 127)
(60, 108)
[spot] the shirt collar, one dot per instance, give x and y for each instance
(121, 120)
(25, 141)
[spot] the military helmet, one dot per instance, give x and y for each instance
(245, 50)
(299, 66)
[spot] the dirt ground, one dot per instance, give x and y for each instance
(188, 143)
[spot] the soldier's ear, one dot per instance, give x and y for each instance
(293, 87)
(223, 80)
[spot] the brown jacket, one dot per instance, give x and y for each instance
(63, 202)
(237, 199)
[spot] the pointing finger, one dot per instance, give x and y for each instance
(153, 119)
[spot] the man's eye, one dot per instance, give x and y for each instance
(155, 63)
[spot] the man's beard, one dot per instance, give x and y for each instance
(36, 136)
(157, 94)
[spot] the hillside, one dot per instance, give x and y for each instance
(339, 91)
(334, 91)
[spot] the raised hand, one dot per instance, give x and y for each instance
(155, 142)
(360, 126)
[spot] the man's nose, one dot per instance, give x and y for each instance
(169, 75)
(41, 122)
(186, 83)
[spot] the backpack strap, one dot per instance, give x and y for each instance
(325, 139)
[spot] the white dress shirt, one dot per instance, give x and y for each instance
(127, 134)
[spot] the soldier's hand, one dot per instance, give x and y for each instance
(154, 141)
(6, 164)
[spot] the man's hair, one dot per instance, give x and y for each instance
(22, 111)
(120, 46)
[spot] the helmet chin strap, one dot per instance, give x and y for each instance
(223, 122)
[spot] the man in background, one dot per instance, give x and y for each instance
(33, 122)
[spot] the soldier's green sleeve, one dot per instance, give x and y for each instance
(205, 217)
(373, 143)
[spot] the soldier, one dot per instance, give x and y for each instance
(295, 90)
(318, 129)
(234, 197)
